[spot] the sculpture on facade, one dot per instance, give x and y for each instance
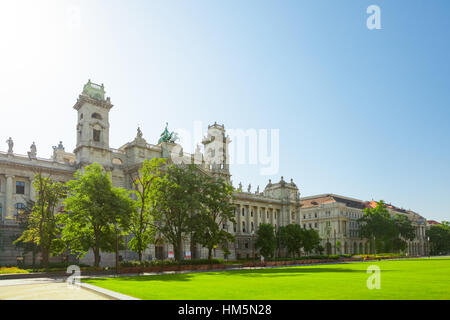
(10, 145)
(240, 187)
(249, 188)
(139, 133)
(33, 151)
(167, 136)
(257, 190)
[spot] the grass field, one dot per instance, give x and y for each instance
(400, 279)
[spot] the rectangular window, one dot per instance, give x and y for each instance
(20, 187)
(96, 135)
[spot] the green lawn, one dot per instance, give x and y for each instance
(400, 279)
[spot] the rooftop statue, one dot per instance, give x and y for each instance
(167, 136)
(33, 151)
(10, 145)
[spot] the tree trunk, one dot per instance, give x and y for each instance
(209, 254)
(140, 255)
(45, 257)
(178, 249)
(96, 257)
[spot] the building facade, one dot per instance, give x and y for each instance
(278, 204)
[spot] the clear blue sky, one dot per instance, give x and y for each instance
(361, 113)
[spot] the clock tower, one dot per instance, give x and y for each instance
(93, 126)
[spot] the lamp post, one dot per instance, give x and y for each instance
(428, 244)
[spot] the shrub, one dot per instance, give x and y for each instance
(6, 270)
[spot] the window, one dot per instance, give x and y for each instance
(243, 226)
(234, 227)
(310, 225)
(20, 187)
(304, 226)
(251, 213)
(19, 207)
(315, 215)
(253, 227)
(1, 210)
(293, 216)
(315, 225)
(243, 211)
(96, 116)
(96, 135)
(304, 216)
(224, 226)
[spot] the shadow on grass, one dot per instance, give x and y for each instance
(268, 272)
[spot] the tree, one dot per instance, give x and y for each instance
(141, 220)
(266, 241)
(311, 240)
(23, 219)
(124, 209)
(405, 231)
(388, 233)
(175, 200)
(216, 210)
(439, 238)
(291, 237)
(42, 228)
(377, 225)
(94, 212)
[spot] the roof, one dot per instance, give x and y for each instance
(315, 201)
(432, 222)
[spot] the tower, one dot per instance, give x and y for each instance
(93, 126)
(216, 151)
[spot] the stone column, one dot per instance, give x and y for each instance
(258, 212)
(238, 220)
(32, 190)
(9, 207)
(247, 224)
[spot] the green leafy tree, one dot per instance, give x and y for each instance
(405, 231)
(95, 211)
(216, 210)
(141, 220)
(42, 228)
(376, 224)
(291, 238)
(23, 219)
(439, 238)
(175, 200)
(311, 240)
(266, 241)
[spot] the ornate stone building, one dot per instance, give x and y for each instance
(336, 219)
(279, 203)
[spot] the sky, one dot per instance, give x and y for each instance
(361, 113)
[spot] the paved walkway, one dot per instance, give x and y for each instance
(44, 289)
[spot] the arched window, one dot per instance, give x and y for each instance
(243, 211)
(251, 213)
(253, 227)
(243, 226)
(96, 115)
